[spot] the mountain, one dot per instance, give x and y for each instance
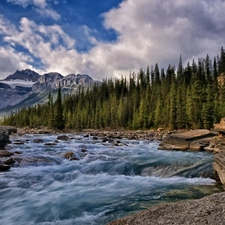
(25, 75)
(26, 88)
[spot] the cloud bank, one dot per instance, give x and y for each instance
(148, 32)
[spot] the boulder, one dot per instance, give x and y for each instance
(4, 153)
(219, 165)
(4, 138)
(37, 140)
(9, 161)
(63, 138)
(208, 210)
(192, 140)
(71, 156)
(9, 129)
(4, 167)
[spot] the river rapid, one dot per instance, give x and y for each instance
(107, 182)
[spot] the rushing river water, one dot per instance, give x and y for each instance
(107, 182)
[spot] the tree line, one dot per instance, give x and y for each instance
(191, 96)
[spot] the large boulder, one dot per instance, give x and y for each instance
(192, 140)
(208, 210)
(9, 129)
(3, 166)
(219, 165)
(4, 138)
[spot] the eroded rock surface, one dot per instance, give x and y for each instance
(208, 210)
(192, 140)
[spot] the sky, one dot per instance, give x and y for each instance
(107, 38)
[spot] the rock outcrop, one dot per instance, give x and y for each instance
(27, 74)
(208, 210)
(219, 148)
(5, 131)
(4, 138)
(190, 140)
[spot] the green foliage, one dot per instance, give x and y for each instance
(191, 97)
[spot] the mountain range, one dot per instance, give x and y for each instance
(26, 88)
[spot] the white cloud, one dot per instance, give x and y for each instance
(148, 31)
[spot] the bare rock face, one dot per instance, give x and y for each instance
(208, 210)
(219, 165)
(193, 140)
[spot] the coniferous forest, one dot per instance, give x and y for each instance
(191, 96)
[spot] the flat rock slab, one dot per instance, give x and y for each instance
(208, 210)
(193, 135)
(9, 129)
(187, 140)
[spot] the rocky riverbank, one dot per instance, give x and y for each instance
(208, 210)
(5, 131)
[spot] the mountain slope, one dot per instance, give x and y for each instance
(23, 89)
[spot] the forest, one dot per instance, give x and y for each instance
(189, 97)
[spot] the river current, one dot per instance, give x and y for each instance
(107, 182)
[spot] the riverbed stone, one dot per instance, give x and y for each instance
(36, 161)
(208, 210)
(63, 138)
(4, 138)
(9, 161)
(3, 166)
(38, 140)
(4, 153)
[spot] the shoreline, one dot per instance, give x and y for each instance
(199, 211)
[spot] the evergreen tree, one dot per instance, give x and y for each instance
(59, 120)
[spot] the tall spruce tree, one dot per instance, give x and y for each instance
(59, 120)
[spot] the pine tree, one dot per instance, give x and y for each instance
(59, 120)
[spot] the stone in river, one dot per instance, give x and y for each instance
(4, 153)
(63, 138)
(4, 167)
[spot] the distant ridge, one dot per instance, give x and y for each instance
(26, 88)
(26, 75)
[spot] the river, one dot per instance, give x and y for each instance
(107, 182)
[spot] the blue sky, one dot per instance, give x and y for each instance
(106, 38)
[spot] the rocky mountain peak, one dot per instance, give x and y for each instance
(26, 75)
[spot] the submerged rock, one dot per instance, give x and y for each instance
(39, 161)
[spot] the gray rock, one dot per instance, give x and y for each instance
(63, 138)
(4, 167)
(4, 153)
(208, 210)
(4, 138)
(193, 140)
(9, 129)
